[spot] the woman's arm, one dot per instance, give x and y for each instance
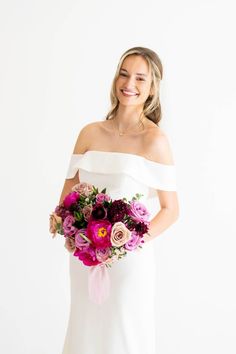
(80, 147)
(160, 151)
(167, 215)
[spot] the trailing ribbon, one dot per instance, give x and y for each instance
(98, 283)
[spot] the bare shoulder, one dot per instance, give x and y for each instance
(86, 134)
(159, 148)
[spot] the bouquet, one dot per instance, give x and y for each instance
(102, 230)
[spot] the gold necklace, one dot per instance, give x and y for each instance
(125, 131)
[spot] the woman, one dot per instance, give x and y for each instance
(126, 153)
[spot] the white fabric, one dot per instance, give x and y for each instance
(126, 323)
(150, 173)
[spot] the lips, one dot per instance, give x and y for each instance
(129, 93)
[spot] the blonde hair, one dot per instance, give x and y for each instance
(152, 106)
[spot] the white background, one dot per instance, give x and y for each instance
(58, 59)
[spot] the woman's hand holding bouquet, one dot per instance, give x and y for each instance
(98, 229)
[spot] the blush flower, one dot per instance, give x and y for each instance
(70, 244)
(54, 220)
(120, 234)
(138, 211)
(83, 188)
(87, 210)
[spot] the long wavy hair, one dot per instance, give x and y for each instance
(152, 106)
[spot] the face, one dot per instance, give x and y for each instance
(134, 81)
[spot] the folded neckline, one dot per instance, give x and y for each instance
(127, 154)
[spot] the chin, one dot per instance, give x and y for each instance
(127, 102)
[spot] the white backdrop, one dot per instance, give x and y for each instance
(58, 59)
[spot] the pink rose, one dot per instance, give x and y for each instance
(83, 188)
(134, 242)
(70, 199)
(99, 232)
(101, 197)
(80, 239)
(138, 211)
(120, 234)
(87, 256)
(87, 210)
(103, 254)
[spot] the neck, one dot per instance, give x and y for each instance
(128, 116)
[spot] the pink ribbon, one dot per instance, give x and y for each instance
(98, 283)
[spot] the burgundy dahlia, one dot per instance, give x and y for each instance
(117, 210)
(141, 228)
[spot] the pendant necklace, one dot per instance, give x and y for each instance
(121, 133)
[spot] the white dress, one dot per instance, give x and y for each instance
(126, 322)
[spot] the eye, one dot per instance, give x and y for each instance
(139, 78)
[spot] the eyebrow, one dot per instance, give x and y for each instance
(141, 74)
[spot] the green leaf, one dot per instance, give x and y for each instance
(78, 215)
(85, 237)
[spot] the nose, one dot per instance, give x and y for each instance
(129, 82)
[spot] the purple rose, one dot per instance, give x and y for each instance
(70, 199)
(81, 242)
(68, 228)
(138, 211)
(134, 242)
(103, 254)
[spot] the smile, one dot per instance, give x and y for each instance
(129, 93)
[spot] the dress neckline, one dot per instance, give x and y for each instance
(126, 154)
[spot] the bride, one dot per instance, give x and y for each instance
(126, 152)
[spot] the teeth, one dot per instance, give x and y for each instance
(129, 93)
